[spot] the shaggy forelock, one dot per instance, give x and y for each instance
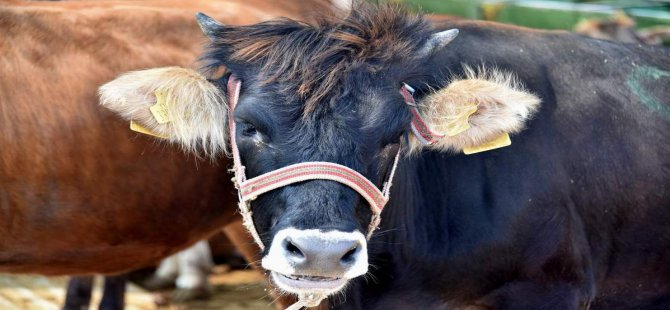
(311, 60)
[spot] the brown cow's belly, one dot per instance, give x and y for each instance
(107, 206)
(79, 192)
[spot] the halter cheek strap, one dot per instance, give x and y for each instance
(249, 189)
(419, 127)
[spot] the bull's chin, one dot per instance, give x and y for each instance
(301, 285)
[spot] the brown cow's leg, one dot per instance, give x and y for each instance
(114, 293)
(78, 295)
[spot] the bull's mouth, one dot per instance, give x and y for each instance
(308, 284)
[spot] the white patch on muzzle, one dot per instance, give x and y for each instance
(312, 261)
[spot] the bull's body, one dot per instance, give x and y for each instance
(575, 211)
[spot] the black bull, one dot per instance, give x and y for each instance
(575, 213)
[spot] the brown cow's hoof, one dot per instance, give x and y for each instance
(184, 295)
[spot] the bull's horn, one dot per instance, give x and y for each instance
(437, 41)
(209, 26)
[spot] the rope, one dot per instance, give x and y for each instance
(307, 301)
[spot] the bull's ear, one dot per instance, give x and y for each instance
(176, 103)
(476, 110)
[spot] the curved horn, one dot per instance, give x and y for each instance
(208, 25)
(437, 41)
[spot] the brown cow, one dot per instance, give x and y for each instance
(620, 27)
(79, 192)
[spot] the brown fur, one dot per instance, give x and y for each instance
(328, 48)
(79, 192)
(196, 109)
(620, 27)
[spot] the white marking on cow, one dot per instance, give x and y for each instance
(189, 268)
(283, 269)
(195, 264)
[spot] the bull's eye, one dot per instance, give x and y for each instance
(249, 130)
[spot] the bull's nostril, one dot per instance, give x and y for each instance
(349, 257)
(293, 249)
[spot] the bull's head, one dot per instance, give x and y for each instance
(329, 94)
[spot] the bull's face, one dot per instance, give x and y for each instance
(315, 230)
(315, 95)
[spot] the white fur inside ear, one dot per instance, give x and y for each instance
(503, 105)
(196, 108)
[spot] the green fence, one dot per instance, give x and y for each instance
(548, 14)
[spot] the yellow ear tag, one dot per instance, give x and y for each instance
(159, 110)
(501, 141)
(460, 123)
(141, 129)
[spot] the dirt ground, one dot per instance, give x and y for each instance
(233, 290)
